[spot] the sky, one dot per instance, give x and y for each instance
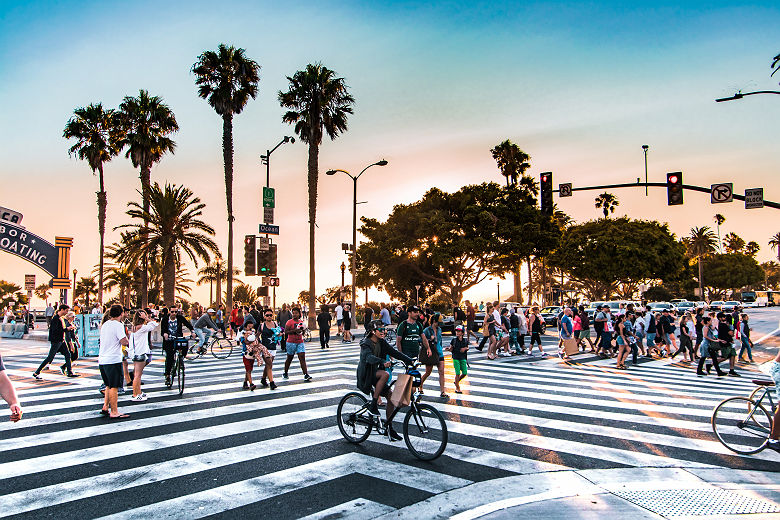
(580, 87)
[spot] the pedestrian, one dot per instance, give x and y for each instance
(774, 433)
(270, 337)
(686, 339)
(8, 393)
(535, 326)
(622, 341)
(49, 314)
(220, 319)
(384, 316)
(459, 346)
(434, 357)
(347, 314)
(709, 348)
(667, 332)
(204, 327)
(282, 318)
(522, 330)
(340, 319)
(236, 319)
(471, 317)
(324, 321)
(172, 327)
(747, 343)
(651, 329)
(565, 331)
(410, 334)
(294, 330)
(71, 340)
(368, 315)
(514, 331)
(630, 333)
(726, 339)
(599, 321)
(584, 329)
(113, 337)
(252, 353)
(143, 324)
(57, 342)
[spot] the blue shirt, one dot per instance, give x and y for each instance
(429, 334)
(566, 327)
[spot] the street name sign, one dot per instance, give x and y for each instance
(269, 230)
(564, 190)
(720, 193)
(263, 243)
(268, 215)
(754, 198)
(268, 197)
(29, 282)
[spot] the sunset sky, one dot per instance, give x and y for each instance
(579, 87)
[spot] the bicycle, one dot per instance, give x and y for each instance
(426, 437)
(742, 424)
(219, 345)
(180, 344)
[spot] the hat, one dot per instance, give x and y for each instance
(460, 328)
(211, 310)
(373, 325)
(413, 308)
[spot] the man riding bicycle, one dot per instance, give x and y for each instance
(371, 370)
(203, 328)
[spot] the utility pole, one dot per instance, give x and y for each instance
(644, 149)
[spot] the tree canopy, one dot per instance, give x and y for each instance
(732, 271)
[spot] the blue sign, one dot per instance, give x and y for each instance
(268, 229)
(89, 333)
(20, 242)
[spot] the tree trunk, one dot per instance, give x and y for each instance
(227, 154)
(313, 174)
(211, 292)
(701, 280)
(530, 279)
(518, 284)
(169, 278)
(102, 200)
(146, 183)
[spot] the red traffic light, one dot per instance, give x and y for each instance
(673, 179)
(544, 178)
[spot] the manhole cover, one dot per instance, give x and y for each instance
(698, 502)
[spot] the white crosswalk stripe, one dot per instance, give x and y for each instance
(218, 447)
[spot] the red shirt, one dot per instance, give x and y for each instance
(291, 337)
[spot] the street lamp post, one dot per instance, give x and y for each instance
(644, 149)
(75, 272)
(354, 217)
(498, 292)
(740, 95)
(343, 268)
(219, 282)
(417, 300)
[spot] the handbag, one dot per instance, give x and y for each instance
(425, 359)
(402, 391)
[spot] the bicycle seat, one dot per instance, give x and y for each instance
(761, 382)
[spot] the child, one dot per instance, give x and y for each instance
(459, 347)
(254, 351)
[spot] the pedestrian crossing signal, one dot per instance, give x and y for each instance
(674, 189)
(266, 261)
(250, 246)
(546, 195)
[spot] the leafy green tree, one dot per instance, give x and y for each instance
(318, 103)
(98, 140)
(657, 293)
(10, 294)
(607, 202)
(227, 79)
(174, 229)
(512, 162)
(122, 278)
(147, 123)
(771, 274)
(600, 254)
(733, 243)
(752, 248)
(732, 271)
(244, 293)
(448, 243)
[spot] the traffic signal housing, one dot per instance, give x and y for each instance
(266, 261)
(674, 189)
(272, 260)
(546, 192)
(250, 246)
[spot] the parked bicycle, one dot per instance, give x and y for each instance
(424, 429)
(742, 424)
(219, 345)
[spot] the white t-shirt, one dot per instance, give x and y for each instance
(139, 340)
(339, 312)
(497, 316)
(111, 332)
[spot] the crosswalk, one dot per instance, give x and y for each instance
(222, 451)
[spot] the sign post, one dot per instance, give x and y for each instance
(268, 215)
(722, 193)
(754, 198)
(29, 282)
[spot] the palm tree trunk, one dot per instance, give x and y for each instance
(146, 183)
(701, 280)
(102, 200)
(169, 278)
(211, 292)
(227, 155)
(530, 285)
(314, 151)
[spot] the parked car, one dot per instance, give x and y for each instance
(550, 315)
(717, 305)
(701, 305)
(591, 309)
(729, 306)
(447, 324)
(678, 300)
(686, 306)
(660, 306)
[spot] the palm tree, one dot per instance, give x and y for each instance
(43, 291)
(147, 124)
(774, 243)
(752, 248)
(607, 202)
(86, 287)
(212, 273)
(98, 140)
(734, 243)
(700, 243)
(719, 219)
(511, 160)
(227, 79)
(122, 278)
(318, 103)
(244, 293)
(173, 229)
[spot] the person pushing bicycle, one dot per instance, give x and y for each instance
(371, 370)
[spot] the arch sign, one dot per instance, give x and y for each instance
(52, 258)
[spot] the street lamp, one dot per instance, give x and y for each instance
(75, 272)
(740, 95)
(354, 216)
(266, 158)
(341, 292)
(644, 149)
(417, 300)
(219, 282)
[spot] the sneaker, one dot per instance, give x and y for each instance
(120, 390)
(138, 398)
(168, 381)
(700, 373)
(393, 435)
(37, 376)
(545, 354)
(708, 368)
(72, 375)
(252, 387)
(102, 389)
(733, 373)
(307, 377)
(373, 408)
(285, 376)
(773, 444)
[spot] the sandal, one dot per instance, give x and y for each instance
(119, 417)
(444, 396)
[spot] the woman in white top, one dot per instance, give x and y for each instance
(139, 349)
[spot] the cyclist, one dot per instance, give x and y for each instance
(204, 327)
(171, 327)
(371, 371)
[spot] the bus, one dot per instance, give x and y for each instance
(764, 298)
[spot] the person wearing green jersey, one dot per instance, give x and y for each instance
(410, 334)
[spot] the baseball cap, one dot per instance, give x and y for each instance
(460, 328)
(211, 310)
(413, 308)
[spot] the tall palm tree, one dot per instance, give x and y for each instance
(318, 103)
(122, 278)
(86, 287)
(226, 78)
(173, 229)
(511, 160)
(147, 124)
(607, 202)
(774, 243)
(700, 243)
(734, 243)
(752, 248)
(213, 272)
(98, 140)
(719, 219)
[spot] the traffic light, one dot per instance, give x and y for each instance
(262, 291)
(674, 189)
(272, 260)
(546, 189)
(250, 246)
(263, 262)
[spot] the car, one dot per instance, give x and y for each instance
(479, 321)
(591, 309)
(717, 305)
(729, 306)
(678, 300)
(447, 324)
(550, 315)
(685, 306)
(701, 305)
(660, 306)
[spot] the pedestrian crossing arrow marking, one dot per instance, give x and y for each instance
(720, 193)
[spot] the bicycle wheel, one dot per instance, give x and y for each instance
(221, 348)
(352, 415)
(307, 336)
(425, 432)
(180, 375)
(193, 353)
(741, 425)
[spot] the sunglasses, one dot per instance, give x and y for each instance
(269, 315)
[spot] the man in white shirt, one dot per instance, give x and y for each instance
(340, 318)
(113, 337)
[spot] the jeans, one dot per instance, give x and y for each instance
(56, 347)
(324, 337)
(746, 347)
(606, 340)
(203, 336)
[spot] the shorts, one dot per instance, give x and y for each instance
(727, 351)
(339, 322)
(470, 326)
(270, 353)
(249, 363)
(774, 372)
(112, 375)
(234, 326)
(461, 366)
(142, 358)
(295, 348)
(583, 334)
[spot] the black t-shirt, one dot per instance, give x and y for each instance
(584, 320)
(458, 344)
(403, 316)
(666, 324)
(460, 315)
(537, 325)
(324, 320)
(724, 330)
(651, 328)
(699, 326)
(368, 314)
(266, 337)
(514, 322)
